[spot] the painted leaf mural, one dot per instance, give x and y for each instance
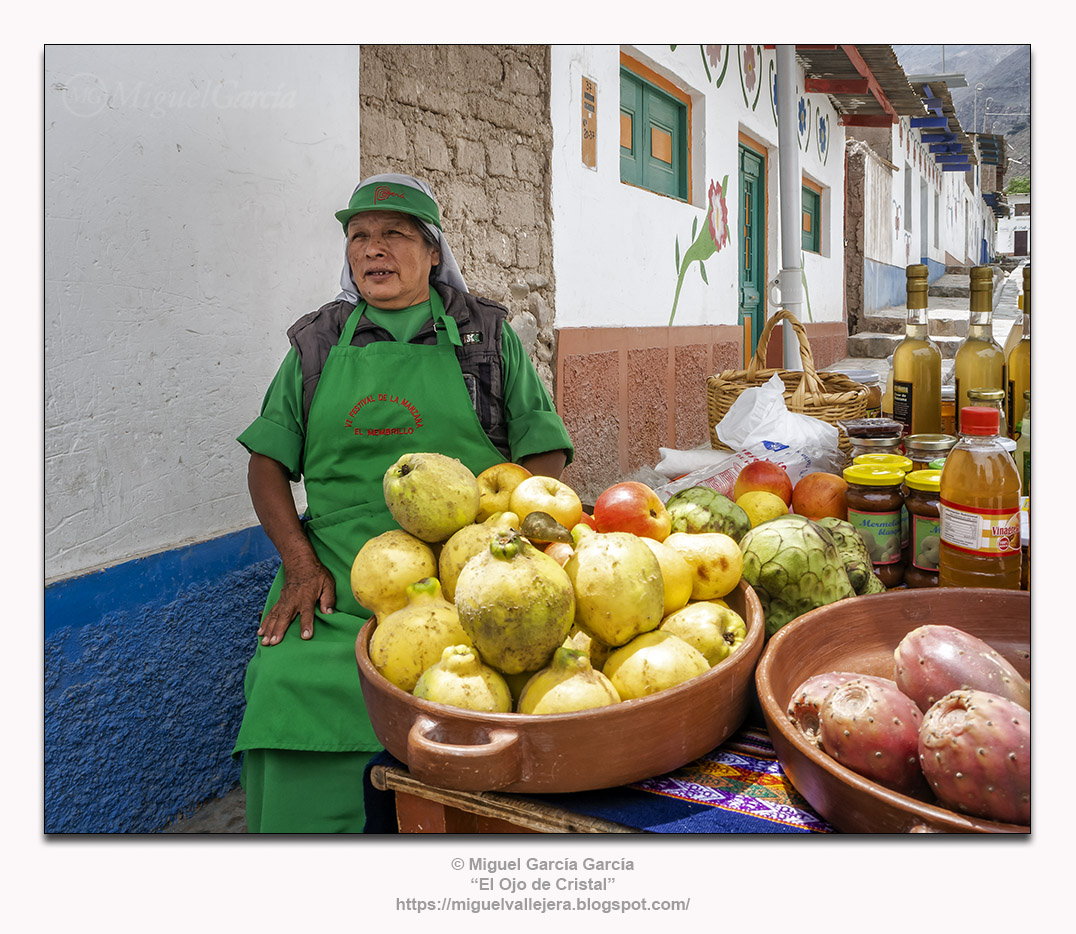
(713, 237)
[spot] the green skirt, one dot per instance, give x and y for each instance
(290, 791)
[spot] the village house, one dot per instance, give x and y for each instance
(624, 202)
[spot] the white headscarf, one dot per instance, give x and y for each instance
(447, 271)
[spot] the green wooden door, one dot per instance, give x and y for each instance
(752, 241)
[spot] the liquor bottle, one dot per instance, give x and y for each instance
(917, 364)
(1023, 446)
(980, 508)
(980, 361)
(1020, 364)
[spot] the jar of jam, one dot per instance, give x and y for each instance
(948, 409)
(922, 501)
(922, 449)
(861, 446)
(875, 504)
(904, 465)
(894, 461)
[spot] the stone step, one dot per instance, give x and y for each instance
(951, 285)
(880, 345)
(891, 321)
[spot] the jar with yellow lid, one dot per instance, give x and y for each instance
(922, 449)
(923, 501)
(862, 446)
(893, 462)
(875, 504)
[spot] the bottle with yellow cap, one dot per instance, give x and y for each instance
(1019, 365)
(917, 364)
(980, 361)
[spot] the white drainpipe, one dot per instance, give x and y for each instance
(790, 279)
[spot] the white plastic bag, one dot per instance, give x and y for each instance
(758, 426)
(760, 415)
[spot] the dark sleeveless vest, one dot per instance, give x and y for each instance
(480, 322)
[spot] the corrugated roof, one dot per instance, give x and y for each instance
(860, 80)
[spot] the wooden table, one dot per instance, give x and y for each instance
(422, 808)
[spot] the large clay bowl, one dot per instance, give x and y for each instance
(635, 739)
(860, 634)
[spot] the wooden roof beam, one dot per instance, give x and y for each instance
(837, 85)
(866, 119)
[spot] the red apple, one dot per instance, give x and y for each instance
(588, 520)
(632, 507)
(495, 486)
(765, 476)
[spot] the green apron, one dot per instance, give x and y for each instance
(373, 404)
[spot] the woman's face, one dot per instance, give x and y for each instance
(390, 262)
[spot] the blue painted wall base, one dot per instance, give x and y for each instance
(144, 666)
(886, 286)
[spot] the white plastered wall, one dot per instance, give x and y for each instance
(188, 220)
(614, 245)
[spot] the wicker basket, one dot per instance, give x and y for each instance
(826, 396)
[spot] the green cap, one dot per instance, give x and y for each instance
(380, 196)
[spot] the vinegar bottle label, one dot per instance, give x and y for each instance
(982, 531)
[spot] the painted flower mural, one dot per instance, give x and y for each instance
(717, 214)
(750, 68)
(711, 239)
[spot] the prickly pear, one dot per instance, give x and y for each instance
(873, 729)
(806, 704)
(933, 660)
(975, 752)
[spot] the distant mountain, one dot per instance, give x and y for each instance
(1002, 105)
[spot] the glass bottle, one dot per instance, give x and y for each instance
(980, 361)
(980, 508)
(887, 393)
(1020, 363)
(1023, 446)
(993, 399)
(917, 364)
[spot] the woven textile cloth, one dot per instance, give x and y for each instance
(738, 787)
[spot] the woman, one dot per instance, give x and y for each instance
(404, 360)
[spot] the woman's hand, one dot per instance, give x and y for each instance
(308, 585)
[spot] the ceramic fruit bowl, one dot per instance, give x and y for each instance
(626, 742)
(859, 634)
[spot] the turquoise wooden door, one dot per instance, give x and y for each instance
(752, 241)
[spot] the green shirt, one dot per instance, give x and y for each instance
(534, 426)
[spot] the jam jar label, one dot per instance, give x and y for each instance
(926, 543)
(983, 531)
(881, 531)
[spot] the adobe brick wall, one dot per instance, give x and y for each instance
(473, 121)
